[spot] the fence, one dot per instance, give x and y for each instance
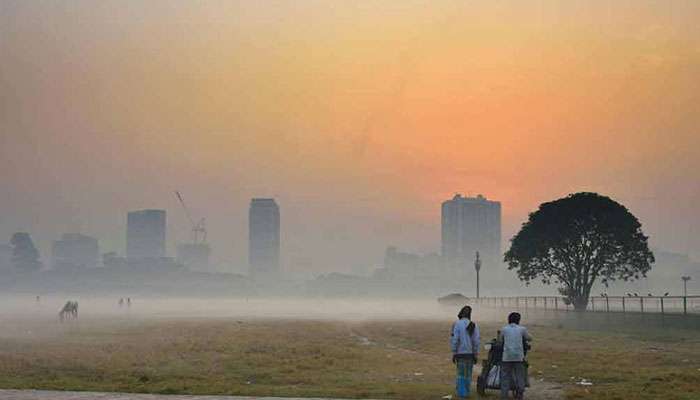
(683, 305)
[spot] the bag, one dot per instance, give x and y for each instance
(493, 380)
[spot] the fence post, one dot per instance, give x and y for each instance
(623, 305)
(685, 305)
(545, 303)
(607, 304)
(641, 304)
(592, 303)
(556, 303)
(662, 305)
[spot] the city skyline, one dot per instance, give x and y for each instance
(359, 118)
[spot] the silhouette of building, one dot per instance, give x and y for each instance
(194, 256)
(264, 237)
(410, 263)
(145, 234)
(399, 264)
(5, 257)
(470, 224)
(75, 251)
(113, 260)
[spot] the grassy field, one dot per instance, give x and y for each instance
(375, 359)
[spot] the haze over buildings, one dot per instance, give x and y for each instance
(75, 251)
(194, 256)
(470, 225)
(145, 234)
(264, 237)
(360, 117)
(5, 256)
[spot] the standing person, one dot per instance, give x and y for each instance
(465, 349)
(513, 336)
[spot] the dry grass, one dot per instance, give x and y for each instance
(407, 359)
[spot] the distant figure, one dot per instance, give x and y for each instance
(121, 302)
(465, 341)
(69, 311)
(38, 299)
(514, 338)
(128, 301)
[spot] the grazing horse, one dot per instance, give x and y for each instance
(69, 311)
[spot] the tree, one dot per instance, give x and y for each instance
(25, 256)
(576, 241)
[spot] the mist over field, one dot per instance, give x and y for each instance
(96, 308)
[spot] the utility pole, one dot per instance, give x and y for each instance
(477, 267)
(685, 285)
(685, 294)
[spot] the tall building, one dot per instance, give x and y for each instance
(5, 257)
(470, 224)
(74, 251)
(263, 237)
(145, 234)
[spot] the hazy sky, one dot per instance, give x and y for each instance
(360, 117)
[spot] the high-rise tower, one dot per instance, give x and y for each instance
(264, 237)
(470, 224)
(145, 234)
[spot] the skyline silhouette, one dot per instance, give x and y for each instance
(359, 118)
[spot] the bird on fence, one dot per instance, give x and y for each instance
(649, 294)
(629, 294)
(666, 294)
(636, 295)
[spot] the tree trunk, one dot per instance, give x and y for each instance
(580, 303)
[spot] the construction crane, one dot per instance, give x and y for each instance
(199, 229)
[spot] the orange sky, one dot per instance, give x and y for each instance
(361, 118)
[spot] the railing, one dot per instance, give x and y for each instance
(633, 304)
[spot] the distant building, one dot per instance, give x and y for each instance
(399, 264)
(411, 263)
(470, 224)
(75, 251)
(113, 260)
(264, 237)
(194, 256)
(5, 257)
(145, 234)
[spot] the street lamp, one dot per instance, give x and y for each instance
(477, 267)
(685, 285)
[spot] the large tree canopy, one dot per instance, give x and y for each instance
(578, 240)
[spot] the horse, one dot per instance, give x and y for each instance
(69, 311)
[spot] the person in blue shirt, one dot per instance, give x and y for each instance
(464, 343)
(513, 336)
